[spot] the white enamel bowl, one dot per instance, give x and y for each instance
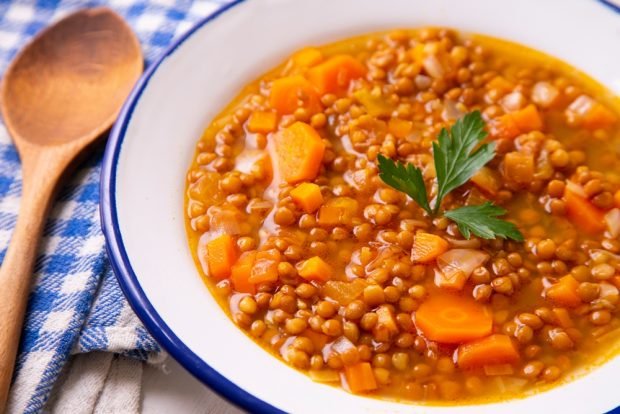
(152, 144)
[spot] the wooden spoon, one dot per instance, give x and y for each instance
(61, 92)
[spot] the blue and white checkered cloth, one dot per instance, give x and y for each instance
(76, 305)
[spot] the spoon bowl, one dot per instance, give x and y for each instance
(60, 93)
(71, 81)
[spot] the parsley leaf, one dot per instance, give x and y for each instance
(458, 155)
(405, 178)
(483, 222)
(455, 163)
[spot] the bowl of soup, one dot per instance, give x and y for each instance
(379, 206)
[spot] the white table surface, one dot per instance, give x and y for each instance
(177, 391)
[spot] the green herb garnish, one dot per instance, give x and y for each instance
(483, 222)
(458, 154)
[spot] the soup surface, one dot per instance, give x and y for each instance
(368, 274)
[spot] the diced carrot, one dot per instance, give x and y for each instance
(518, 167)
(335, 74)
(527, 119)
(494, 349)
(221, 255)
(562, 317)
(299, 151)
(263, 122)
(487, 180)
(564, 292)
(615, 281)
(426, 247)
(386, 327)
(360, 377)
(241, 272)
(589, 113)
(338, 211)
(307, 57)
(399, 127)
(500, 83)
(449, 318)
(292, 92)
(515, 123)
(308, 196)
(318, 339)
(583, 213)
(503, 127)
(265, 267)
(315, 269)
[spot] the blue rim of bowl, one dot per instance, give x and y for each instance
(120, 261)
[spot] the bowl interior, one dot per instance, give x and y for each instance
(153, 143)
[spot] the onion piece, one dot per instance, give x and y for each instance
(576, 189)
(580, 107)
(612, 219)
(609, 293)
(513, 101)
(544, 94)
(433, 67)
(451, 111)
(462, 261)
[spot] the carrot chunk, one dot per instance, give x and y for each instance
(299, 151)
(315, 269)
(265, 267)
(221, 255)
(292, 92)
(337, 211)
(307, 57)
(519, 167)
(335, 74)
(307, 196)
(527, 119)
(564, 292)
(500, 83)
(583, 213)
(318, 339)
(263, 122)
(503, 127)
(360, 377)
(399, 127)
(562, 317)
(426, 247)
(494, 349)
(449, 318)
(515, 123)
(241, 272)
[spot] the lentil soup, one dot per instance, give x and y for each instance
(351, 281)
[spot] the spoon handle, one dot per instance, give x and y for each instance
(15, 273)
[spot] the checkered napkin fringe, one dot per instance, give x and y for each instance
(75, 305)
